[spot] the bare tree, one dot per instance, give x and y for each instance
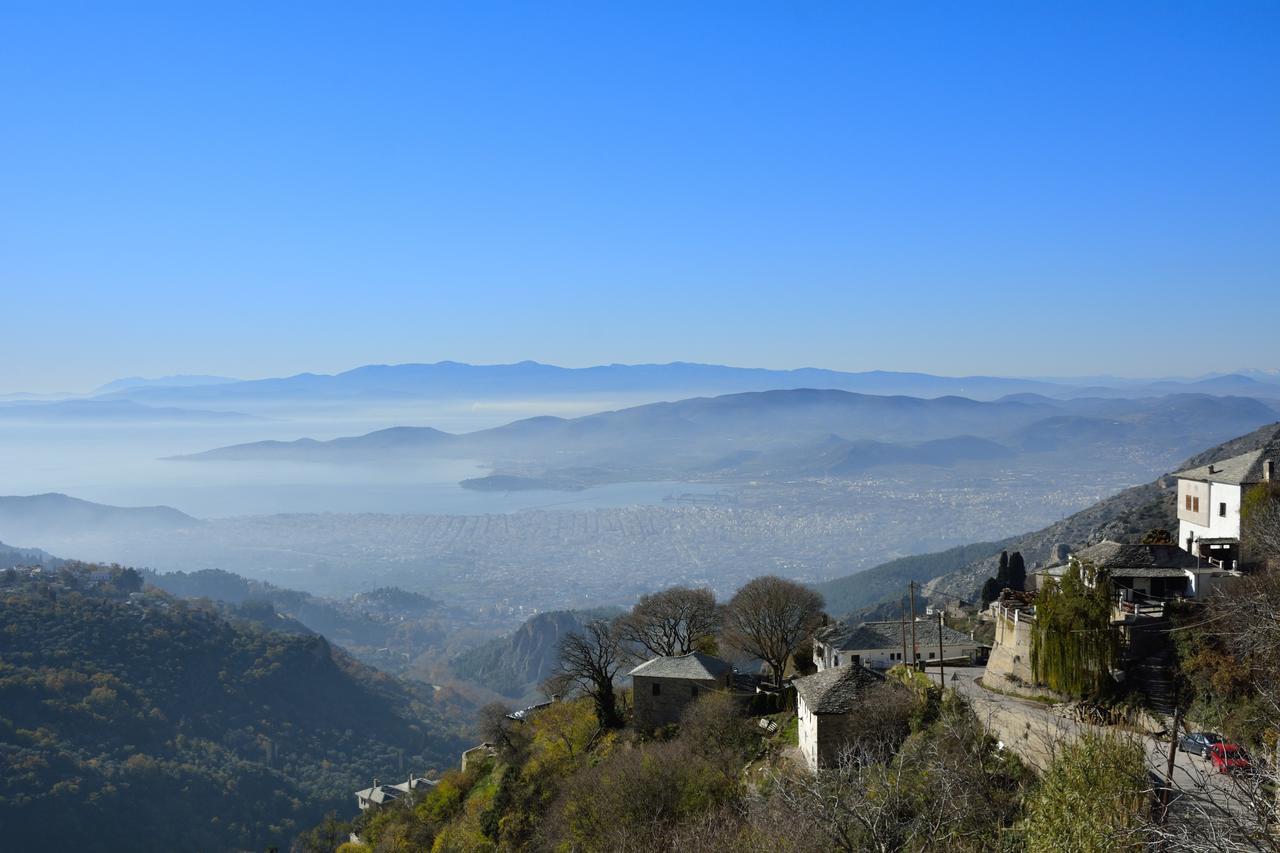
(591, 660)
(495, 727)
(946, 789)
(671, 622)
(770, 617)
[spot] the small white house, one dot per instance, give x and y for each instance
(1209, 499)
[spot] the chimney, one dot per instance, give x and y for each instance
(1268, 470)
(1212, 470)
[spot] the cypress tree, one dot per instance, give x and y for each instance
(1017, 572)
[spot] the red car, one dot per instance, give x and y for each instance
(1228, 757)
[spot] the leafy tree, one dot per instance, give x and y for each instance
(990, 591)
(1072, 643)
(591, 660)
(1091, 799)
(672, 622)
(770, 617)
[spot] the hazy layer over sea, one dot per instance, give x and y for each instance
(122, 464)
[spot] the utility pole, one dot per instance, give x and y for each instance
(1166, 792)
(904, 632)
(942, 667)
(915, 649)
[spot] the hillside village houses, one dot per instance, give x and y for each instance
(850, 659)
(379, 794)
(1145, 576)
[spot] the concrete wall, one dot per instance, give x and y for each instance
(668, 704)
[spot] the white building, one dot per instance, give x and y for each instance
(881, 645)
(1209, 500)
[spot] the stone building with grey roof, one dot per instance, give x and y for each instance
(1148, 571)
(664, 687)
(880, 645)
(829, 709)
(379, 794)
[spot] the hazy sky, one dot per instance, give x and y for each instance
(265, 188)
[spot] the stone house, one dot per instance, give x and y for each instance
(379, 793)
(827, 710)
(665, 686)
(1145, 573)
(881, 645)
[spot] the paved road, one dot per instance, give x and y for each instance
(1034, 730)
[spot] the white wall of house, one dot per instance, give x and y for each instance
(885, 658)
(1218, 516)
(808, 733)
(824, 657)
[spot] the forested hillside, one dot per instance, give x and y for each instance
(136, 721)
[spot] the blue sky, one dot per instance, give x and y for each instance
(265, 188)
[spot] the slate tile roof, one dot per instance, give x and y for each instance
(1243, 469)
(837, 690)
(1110, 554)
(694, 666)
(888, 635)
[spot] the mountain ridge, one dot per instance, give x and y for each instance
(520, 380)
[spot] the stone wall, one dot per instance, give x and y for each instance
(667, 705)
(1009, 666)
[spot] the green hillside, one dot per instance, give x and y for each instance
(120, 712)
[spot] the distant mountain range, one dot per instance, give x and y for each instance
(795, 433)
(183, 380)
(526, 380)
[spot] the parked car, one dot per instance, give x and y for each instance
(1198, 743)
(1229, 758)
